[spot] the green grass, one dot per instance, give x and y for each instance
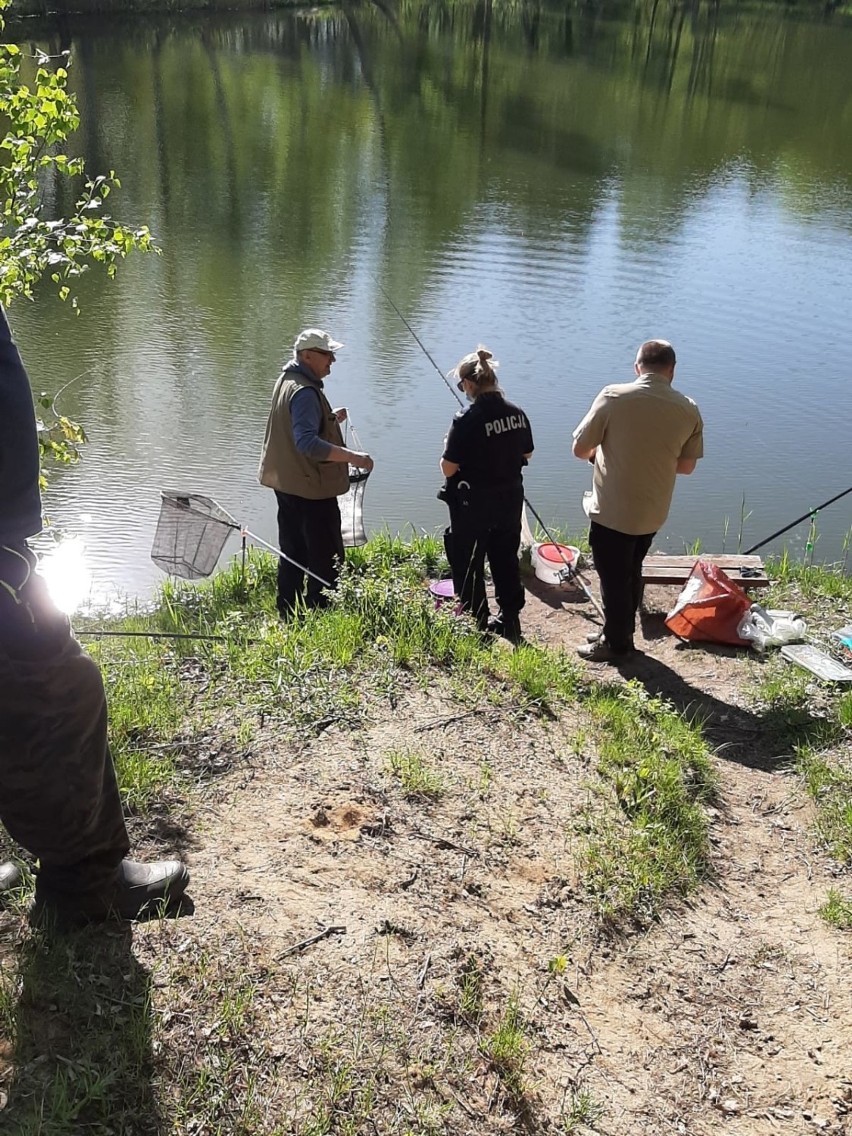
(546, 677)
(844, 711)
(188, 704)
(813, 721)
(414, 776)
(316, 669)
(221, 1037)
(581, 1110)
(828, 779)
(507, 1048)
(811, 581)
(647, 838)
(795, 710)
(148, 699)
(93, 1059)
(837, 911)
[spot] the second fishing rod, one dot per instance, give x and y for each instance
(571, 571)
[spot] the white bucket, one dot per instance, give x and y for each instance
(549, 561)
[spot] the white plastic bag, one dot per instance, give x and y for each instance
(767, 628)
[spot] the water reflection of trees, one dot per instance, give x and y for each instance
(285, 137)
(562, 84)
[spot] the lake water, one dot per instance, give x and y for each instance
(554, 183)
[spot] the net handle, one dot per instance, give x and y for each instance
(350, 429)
(233, 523)
(259, 540)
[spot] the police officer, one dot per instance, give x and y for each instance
(485, 451)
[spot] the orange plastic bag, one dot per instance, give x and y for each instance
(710, 607)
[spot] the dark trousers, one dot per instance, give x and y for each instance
(309, 533)
(618, 562)
(489, 529)
(58, 792)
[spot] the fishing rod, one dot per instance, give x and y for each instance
(97, 633)
(571, 570)
(420, 343)
(810, 513)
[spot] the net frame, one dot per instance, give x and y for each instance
(191, 532)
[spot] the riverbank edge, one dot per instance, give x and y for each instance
(191, 724)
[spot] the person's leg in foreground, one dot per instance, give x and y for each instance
(58, 793)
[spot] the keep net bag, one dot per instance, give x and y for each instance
(190, 535)
(710, 607)
(352, 503)
(352, 509)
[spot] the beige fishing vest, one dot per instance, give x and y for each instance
(282, 467)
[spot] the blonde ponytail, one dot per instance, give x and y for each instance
(478, 368)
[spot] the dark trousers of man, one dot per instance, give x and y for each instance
(309, 533)
(58, 792)
(618, 562)
(486, 528)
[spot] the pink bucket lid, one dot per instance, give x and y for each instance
(443, 589)
(556, 553)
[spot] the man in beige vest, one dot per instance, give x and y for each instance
(639, 436)
(305, 462)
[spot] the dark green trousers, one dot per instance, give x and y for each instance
(58, 793)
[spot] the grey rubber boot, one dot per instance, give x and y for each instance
(138, 891)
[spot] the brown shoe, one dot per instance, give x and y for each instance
(138, 892)
(601, 652)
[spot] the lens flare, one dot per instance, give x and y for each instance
(67, 575)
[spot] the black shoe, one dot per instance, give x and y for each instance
(600, 652)
(507, 627)
(11, 879)
(138, 891)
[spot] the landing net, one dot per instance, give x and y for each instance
(190, 535)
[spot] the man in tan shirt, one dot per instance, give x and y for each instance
(639, 436)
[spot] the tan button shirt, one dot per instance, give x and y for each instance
(640, 429)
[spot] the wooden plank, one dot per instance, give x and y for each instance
(661, 577)
(673, 570)
(726, 561)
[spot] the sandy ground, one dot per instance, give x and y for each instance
(734, 1012)
(434, 915)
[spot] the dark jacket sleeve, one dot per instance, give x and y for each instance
(455, 445)
(20, 500)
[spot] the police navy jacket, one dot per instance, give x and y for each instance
(488, 441)
(20, 500)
